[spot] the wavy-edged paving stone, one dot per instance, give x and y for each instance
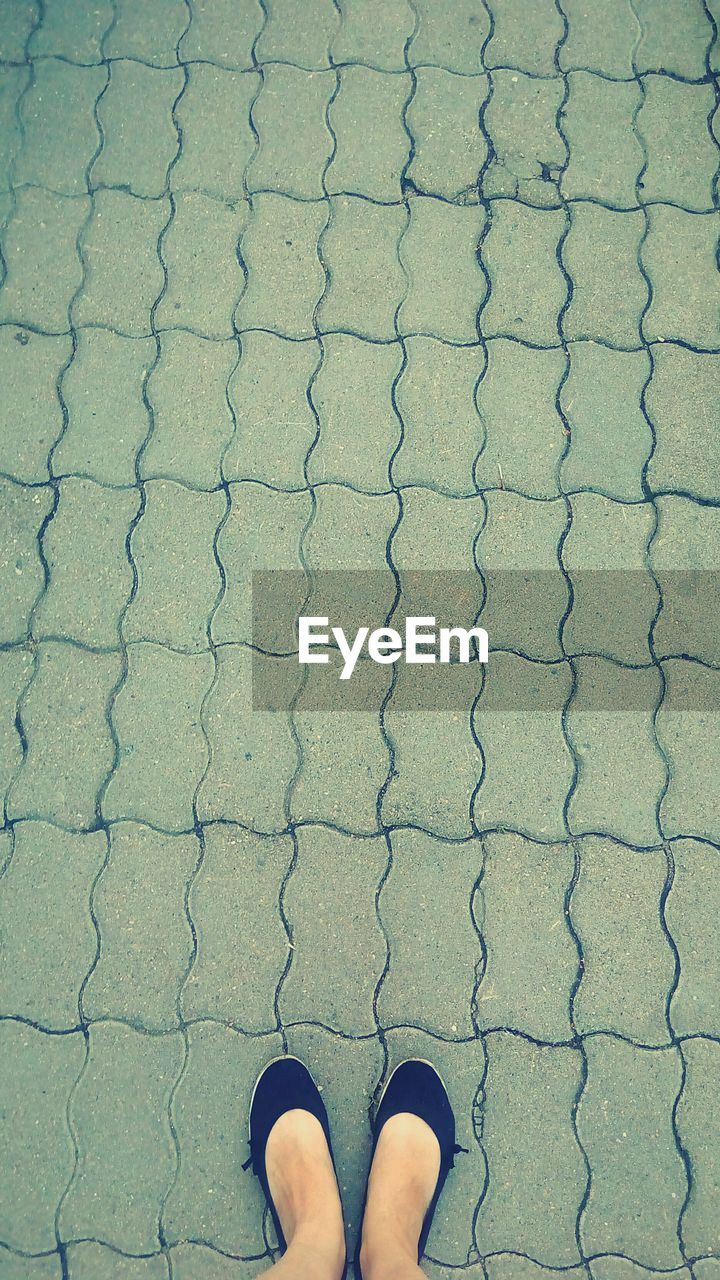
(285, 276)
(148, 37)
(675, 36)
(625, 1125)
(366, 278)
(445, 284)
(192, 421)
(438, 533)
(605, 155)
(124, 274)
(691, 910)
(684, 556)
(527, 286)
(443, 118)
(528, 151)
(38, 1077)
(295, 143)
(75, 35)
(525, 435)
(531, 960)
(442, 429)
(525, 37)
(13, 84)
(30, 366)
(615, 911)
(683, 402)
(526, 1124)
(274, 422)
(242, 946)
(60, 136)
(329, 904)
(108, 418)
(162, 751)
(204, 275)
(172, 543)
(680, 257)
(350, 530)
(698, 1122)
(22, 577)
(41, 258)
(528, 768)
(50, 877)
(18, 25)
(222, 32)
(69, 744)
(517, 1266)
(610, 437)
(90, 1260)
(136, 93)
(681, 152)
(606, 305)
(434, 960)
(215, 158)
(253, 755)
(686, 724)
(299, 31)
(126, 1153)
(621, 772)
(201, 1262)
(449, 38)
(91, 578)
(599, 39)
(615, 1267)
(369, 160)
(16, 670)
(209, 1114)
(17, 1266)
(146, 941)
(615, 597)
(244, 547)
(359, 429)
(517, 554)
(373, 32)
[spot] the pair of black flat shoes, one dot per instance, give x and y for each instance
(414, 1086)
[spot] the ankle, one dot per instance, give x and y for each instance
(392, 1257)
(320, 1240)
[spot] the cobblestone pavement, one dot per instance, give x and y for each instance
(386, 284)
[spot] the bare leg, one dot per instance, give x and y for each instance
(305, 1192)
(402, 1181)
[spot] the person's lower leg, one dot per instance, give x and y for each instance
(402, 1181)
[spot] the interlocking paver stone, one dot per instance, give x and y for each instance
(366, 279)
(13, 83)
(50, 877)
(200, 1262)
(135, 93)
(443, 431)
(679, 256)
(41, 258)
(443, 120)
(605, 156)
(684, 723)
(298, 31)
(445, 285)
(22, 19)
(450, 39)
(521, 120)
(149, 37)
(681, 153)
(75, 34)
(351, 531)
(525, 37)
(215, 160)
(682, 402)
(691, 907)
(370, 160)
(222, 32)
(516, 399)
(192, 421)
(274, 422)
(146, 942)
(22, 578)
(17, 1266)
(674, 37)
(688, 539)
(30, 367)
(527, 285)
(698, 1121)
(610, 438)
(285, 279)
(16, 669)
(295, 143)
(204, 275)
(124, 274)
(242, 947)
(60, 134)
(374, 32)
(91, 1261)
(126, 1154)
(531, 958)
(599, 40)
(607, 306)
(38, 1077)
(359, 428)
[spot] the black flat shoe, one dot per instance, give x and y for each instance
(416, 1087)
(285, 1084)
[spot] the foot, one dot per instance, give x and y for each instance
(304, 1189)
(402, 1182)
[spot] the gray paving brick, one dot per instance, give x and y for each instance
(680, 258)
(192, 421)
(682, 401)
(214, 158)
(438, 533)
(150, 37)
(681, 155)
(521, 120)
(174, 541)
(146, 941)
(16, 669)
(443, 430)
(449, 38)
(209, 1202)
(516, 1266)
(298, 32)
(60, 134)
(675, 37)
(126, 1155)
(39, 1074)
(16, 30)
(40, 253)
(525, 37)
(74, 33)
(295, 144)
(691, 907)
(528, 287)
(370, 160)
(285, 277)
(434, 964)
(600, 40)
(610, 438)
(350, 531)
(22, 512)
(445, 288)
(13, 83)
(625, 1125)
(275, 425)
(698, 1120)
(205, 278)
(684, 724)
(92, 1261)
(200, 1262)
(605, 155)
(443, 119)
(606, 309)
(367, 281)
(374, 33)
(124, 275)
(18, 1267)
(30, 366)
(531, 958)
(359, 429)
(134, 94)
(525, 434)
(242, 946)
(70, 749)
(222, 32)
(688, 538)
(526, 1125)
